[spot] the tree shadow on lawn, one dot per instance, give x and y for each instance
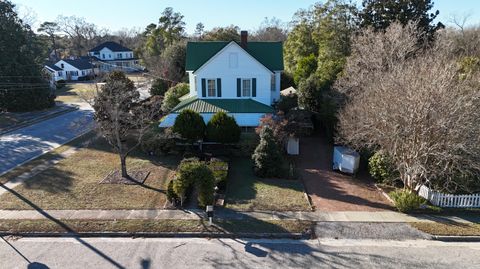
(64, 226)
(241, 182)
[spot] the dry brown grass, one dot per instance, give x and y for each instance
(155, 226)
(453, 229)
(73, 183)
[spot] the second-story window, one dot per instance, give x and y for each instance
(246, 87)
(103, 55)
(211, 87)
(119, 55)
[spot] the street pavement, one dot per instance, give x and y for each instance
(233, 253)
(24, 144)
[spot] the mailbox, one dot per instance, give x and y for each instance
(210, 211)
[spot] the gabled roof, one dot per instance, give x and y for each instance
(270, 54)
(113, 46)
(224, 105)
(53, 67)
(80, 64)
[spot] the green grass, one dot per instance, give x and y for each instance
(247, 192)
(73, 183)
(155, 226)
(445, 229)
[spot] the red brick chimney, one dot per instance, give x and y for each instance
(243, 39)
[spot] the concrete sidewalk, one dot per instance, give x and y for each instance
(341, 216)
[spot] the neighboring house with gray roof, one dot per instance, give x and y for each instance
(242, 79)
(70, 69)
(110, 56)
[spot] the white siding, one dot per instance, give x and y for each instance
(68, 68)
(243, 119)
(246, 67)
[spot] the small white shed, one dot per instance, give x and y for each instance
(345, 160)
(293, 147)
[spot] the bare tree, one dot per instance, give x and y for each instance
(81, 34)
(412, 105)
(120, 116)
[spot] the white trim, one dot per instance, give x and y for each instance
(241, 87)
(223, 49)
(207, 90)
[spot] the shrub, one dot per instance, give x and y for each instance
(268, 160)
(172, 96)
(184, 179)
(220, 172)
(190, 125)
(406, 200)
(159, 87)
(288, 102)
(26, 99)
(190, 172)
(171, 195)
(158, 142)
(381, 168)
(223, 129)
(205, 185)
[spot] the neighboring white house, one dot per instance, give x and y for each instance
(110, 56)
(70, 69)
(241, 79)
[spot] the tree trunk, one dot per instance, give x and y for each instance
(123, 164)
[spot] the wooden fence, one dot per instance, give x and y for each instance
(450, 200)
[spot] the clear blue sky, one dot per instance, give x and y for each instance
(248, 14)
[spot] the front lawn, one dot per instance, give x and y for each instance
(73, 183)
(246, 192)
(70, 92)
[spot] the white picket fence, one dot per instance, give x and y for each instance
(449, 200)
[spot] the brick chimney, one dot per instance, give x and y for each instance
(243, 39)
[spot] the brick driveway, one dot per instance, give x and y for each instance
(333, 191)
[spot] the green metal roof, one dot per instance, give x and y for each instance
(270, 54)
(225, 105)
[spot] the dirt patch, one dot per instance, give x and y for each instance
(333, 191)
(135, 177)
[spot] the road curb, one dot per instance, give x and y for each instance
(450, 238)
(161, 235)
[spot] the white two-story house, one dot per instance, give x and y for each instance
(241, 79)
(110, 56)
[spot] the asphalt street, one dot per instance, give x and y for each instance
(24, 144)
(234, 253)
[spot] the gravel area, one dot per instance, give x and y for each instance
(368, 230)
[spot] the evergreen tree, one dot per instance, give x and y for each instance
(379, 14)
(268, 160)
(223, 129)
(22, 86)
